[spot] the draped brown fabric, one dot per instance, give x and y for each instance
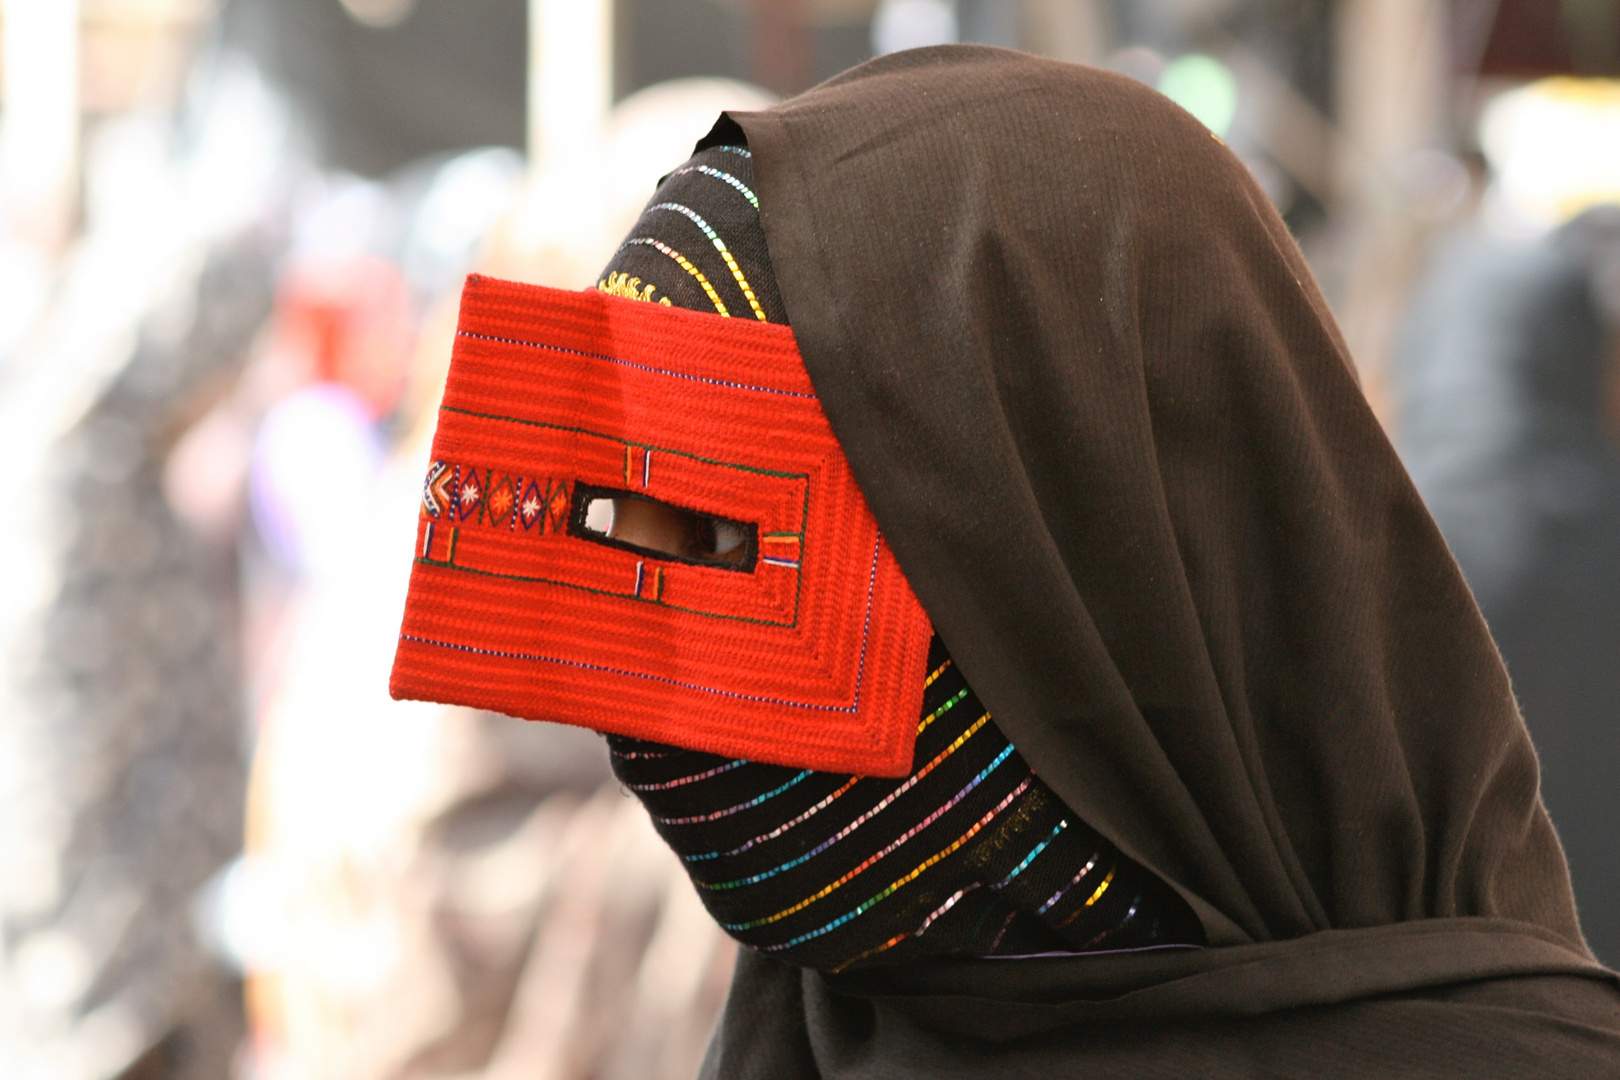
(1106, 421)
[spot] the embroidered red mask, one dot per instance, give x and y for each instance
(798, 642)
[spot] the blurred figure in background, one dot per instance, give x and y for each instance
(122, 749)
(1507, 380)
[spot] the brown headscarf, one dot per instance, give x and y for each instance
(1104, 418)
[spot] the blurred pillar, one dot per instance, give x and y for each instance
(39, 146)
(781, 47)
(1073, 30)
(1391, 91)
(570, 78)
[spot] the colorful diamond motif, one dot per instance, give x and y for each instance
(470, 495)
(558, 505)
(501, 499)
(532, 506)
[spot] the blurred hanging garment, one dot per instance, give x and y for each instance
(123, 742)
(1506, 371)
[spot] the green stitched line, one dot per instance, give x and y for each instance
(610, 592)
(626, 442)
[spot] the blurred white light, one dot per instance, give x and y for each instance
(1204, 87)
(41, 129)
(346, 216)
(52, 969)
(570, 77)
(105, 1041)
(1554, 147)
(25, 284)
(241, 914)
(913, 24)
(128, 171)
(241, 145)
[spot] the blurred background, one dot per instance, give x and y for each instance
(232, 234)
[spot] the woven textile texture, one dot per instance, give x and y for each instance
(807, 653)
(971, 854)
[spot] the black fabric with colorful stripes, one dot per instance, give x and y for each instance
(969, 855)
(699, 244)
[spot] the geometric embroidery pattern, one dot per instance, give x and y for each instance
(812, 656)
(438, 489)
(465, 490)
(501, 501)
(470, 495)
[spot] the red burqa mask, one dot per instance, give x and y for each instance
(806, 647)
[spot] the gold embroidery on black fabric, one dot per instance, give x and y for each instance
(631, 288)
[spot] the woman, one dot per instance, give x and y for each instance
(1105, 420)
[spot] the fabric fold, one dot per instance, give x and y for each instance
(1103, 415)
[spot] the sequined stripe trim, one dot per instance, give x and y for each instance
(996, 942)
(714, 297)
(942, 909)
(1094, 898)
(1040, 847)
(945, 708)
(738, 150)
(718, 175)
(728, 811)
(1129, 915)
(716, 771)
(872, 860)
(774, 833)
(933, 676)
(930, 861)
(883, 805)
(633, 755)
(887, 945)
(822, 805)
(1061, 893)
(898, 938)
(725, 253)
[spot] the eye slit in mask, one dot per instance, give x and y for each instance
(631, 521)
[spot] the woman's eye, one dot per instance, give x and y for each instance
(716, 539)
(728, 537)
(659, 528)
